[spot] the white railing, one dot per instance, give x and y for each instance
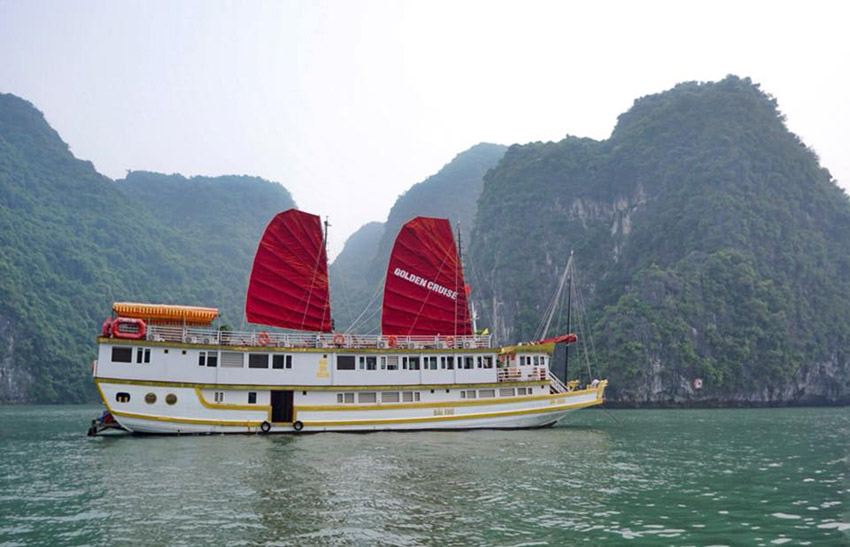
(200, 335)
(557, 384)
(523, 374)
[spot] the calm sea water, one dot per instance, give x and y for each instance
(677, 477)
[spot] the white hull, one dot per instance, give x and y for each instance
(195, 414)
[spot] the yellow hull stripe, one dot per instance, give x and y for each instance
(440, 404)
(257, 387)
(454, 417)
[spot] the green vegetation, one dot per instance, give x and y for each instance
(71, 243)
(712, 246)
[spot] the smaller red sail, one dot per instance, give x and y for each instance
(424, 292)
(289, 280)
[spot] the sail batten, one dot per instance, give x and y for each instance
(424, 289)
(289, 279)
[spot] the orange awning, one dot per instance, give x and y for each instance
(166, 313)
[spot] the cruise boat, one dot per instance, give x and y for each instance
(168, 369)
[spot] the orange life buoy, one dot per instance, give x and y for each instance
(263, 338)
(129, 328)
(339, 339)
(392, 341)
(450, 341)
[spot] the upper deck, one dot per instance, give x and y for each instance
(215, 337)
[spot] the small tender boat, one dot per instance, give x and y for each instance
(168, 369)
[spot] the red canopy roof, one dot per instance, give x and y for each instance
(424, 290)
(289, 280)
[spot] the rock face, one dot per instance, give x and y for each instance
(710, 244)
(15, 381)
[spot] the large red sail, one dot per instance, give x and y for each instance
(424, 291)
(289, 280)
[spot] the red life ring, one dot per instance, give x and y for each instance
(339, 339)
(392, 341)
(131, 329)
(263, 338)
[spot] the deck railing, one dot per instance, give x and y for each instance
(523, 374)
(200, 335)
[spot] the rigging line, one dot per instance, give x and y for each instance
(553, 303)
(366, 308)
(477, 282)
(366, 320)
(427, 296)
(585, 321)
(324, 246)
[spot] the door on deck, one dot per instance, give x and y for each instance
(282, 406)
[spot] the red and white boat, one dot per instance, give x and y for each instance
(168, 369)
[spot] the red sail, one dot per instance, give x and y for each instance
(424, 291)
(289, 281)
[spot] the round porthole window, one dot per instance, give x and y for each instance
(171, 398)
(150, 398)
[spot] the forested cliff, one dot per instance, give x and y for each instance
(710, 244)
(71, 243)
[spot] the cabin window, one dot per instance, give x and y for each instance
(140, 353)
(345, 362)
(122, 397)
(367, 397)
(479, 361)
(543, 360)
(171, 399)
(389, 397)
(431, 362)
(409, 396)
(252, 397)
(122, 355)
(218, 396)
(281, 361)
(488, 361)
(468, 362)
(486, 393)
(447, 362)
(536, 360)
(413, 363)
(231, 359)
(150, 398)
(368, 362)
(258, 360)
(522, 391)
(207, 358)
(522, 360)
(392, 362)
(506, 392)
(467, 394)
(345, 398)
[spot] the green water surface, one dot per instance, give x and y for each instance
(628, 477)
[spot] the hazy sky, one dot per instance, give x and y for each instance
(349, 103)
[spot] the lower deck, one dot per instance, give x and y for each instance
(185, 408)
